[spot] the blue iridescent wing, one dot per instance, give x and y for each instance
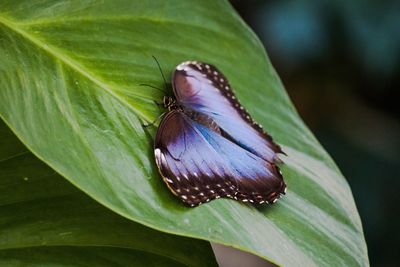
(203, 88)
(198, 164)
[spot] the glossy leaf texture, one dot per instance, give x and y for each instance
(45, 221)
(70, 78)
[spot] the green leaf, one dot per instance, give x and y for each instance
(69, 79)
(45, 221)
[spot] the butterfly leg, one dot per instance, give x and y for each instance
(145, 125)
(158, 103)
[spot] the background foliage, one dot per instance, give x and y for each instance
(340, 62)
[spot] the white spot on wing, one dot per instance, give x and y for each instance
(157, 154)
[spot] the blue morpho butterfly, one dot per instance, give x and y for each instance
(207, 146)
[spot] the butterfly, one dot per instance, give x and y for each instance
(207, 146)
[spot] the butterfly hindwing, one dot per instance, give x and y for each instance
(198, 164)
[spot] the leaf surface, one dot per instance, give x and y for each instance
(45, 221)
(69, 80)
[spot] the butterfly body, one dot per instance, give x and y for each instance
(207, 146)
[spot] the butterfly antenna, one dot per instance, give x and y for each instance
(145, 125)
(152, 86)
(162, 74)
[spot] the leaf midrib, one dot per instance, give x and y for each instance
(73, 64)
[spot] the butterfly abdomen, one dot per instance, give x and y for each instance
(203, 119)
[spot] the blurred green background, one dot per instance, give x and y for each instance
(340, 62)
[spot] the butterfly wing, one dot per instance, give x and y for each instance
(199, 165)
(203, 88)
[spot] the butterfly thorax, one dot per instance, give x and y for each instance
(171, 104)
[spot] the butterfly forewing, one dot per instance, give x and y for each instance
(203, 88)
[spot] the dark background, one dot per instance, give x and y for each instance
(340, 63)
